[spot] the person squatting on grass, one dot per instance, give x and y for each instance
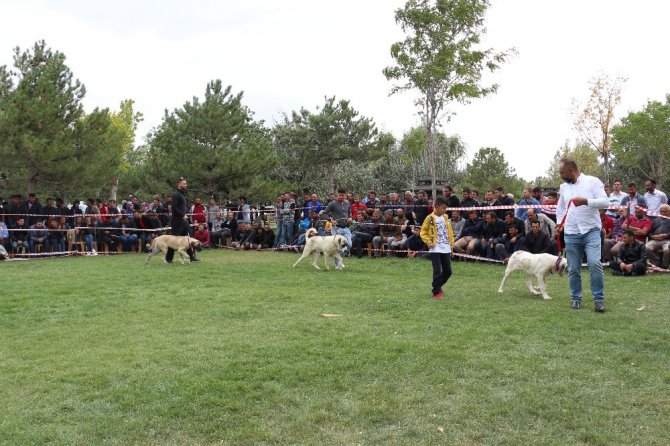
(582, 230)
(437, 233)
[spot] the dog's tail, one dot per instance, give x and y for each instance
(311, 232)
(150, 246)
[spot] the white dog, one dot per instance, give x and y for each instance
(329, 246)
(177, 242)
(535, 265)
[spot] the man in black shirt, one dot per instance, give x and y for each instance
(178, 220)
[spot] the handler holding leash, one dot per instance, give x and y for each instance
(582, 230)
(179, 219)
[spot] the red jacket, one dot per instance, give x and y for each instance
(199, 213)
(202, 237)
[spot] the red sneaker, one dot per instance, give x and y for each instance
(438, 295)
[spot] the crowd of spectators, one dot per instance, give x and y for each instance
(384, 225)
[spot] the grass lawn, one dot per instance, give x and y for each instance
(233, 351)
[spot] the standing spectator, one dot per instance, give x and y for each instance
(243, 211)
(654, 197)
(633, 199)
(527, 200)
(438, 235)
(286, 222)
(468, 201)
(179, 219)
(313, 205)
(34, 209)
(198, 212)
(658, 246)
(75, 210)
(421, 206)
(340, 211)
(502, 200)
(15, 209)
(408, 206)
(582, 230)
(452, 200)
(49, 210)
(212, 210)
(633, 258)
(103, 209)
(92, 210)
(615, 198)
(371, 201)
(552, 200)
(537, 194)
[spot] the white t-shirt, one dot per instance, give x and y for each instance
(442, 245)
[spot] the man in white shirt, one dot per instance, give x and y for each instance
(615, 198)
(582, 230)
(654, 197)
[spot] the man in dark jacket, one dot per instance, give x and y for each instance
(537, 241)
(632, 258)
(179, 220)
(493, 229)
(365, 232)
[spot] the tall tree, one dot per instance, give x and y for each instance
(40, 112)
(489, 169)
(215, 143)
(642, 142)
(440, 58)
(315, 143)
(595, 119)
(584, 155)
(449, 151)
(125, 121)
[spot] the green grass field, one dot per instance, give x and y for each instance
(233, 351)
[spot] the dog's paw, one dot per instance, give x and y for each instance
(535, 293)
(500, 290)
(546, 298)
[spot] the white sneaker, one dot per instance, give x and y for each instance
(94, 253)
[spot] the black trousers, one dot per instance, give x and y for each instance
(441, 269)
(357, 242)
(639, 269)
(178, 227)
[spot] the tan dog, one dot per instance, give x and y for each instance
(329, 246)
(535, 265)
(177, 242)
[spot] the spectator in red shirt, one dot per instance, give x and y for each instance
(202, 235)
(607, 222)
(640, 224)
(198, 212)
(357, 206)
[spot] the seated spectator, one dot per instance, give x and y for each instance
(268, 237)
(5, 240)
(202, 235)
(511, 220)
(612, 245)
(57, 236)
(38, 237)
(109, 232)
(244, 236)
(127, 234)
(388, 231)
(547, 225)
(365, 232)
(492, 229)
(658, 246)
(632, 258)
(256, 240)
(229, 227)
(398, 244)
(536, 240)
(508, 245)
(527, 200)
(457, 221)
(147, 225)
(20, 236)
(88, 235)
(502, 200)
(415, 244)
(466, 240)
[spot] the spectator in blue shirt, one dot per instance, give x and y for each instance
(527, 200)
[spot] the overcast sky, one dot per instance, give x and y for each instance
(288, 54)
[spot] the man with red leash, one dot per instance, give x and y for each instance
(580, 198)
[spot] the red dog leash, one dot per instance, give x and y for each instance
(558, 236)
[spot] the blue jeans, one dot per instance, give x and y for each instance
(88, 238)
(287, 232)
(128, 241)
(575, 247)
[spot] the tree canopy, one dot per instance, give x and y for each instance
(489, 169)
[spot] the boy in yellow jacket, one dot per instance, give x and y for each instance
(437, 233)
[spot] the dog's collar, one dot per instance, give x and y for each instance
(557, 265)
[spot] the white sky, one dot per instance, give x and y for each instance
(292, 53)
